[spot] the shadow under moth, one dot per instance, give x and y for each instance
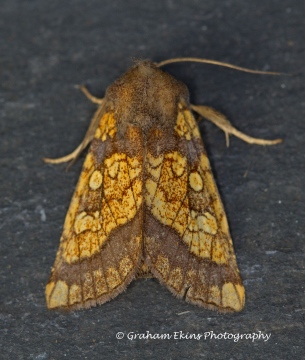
(146, 203)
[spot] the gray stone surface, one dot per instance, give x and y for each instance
(48, 46)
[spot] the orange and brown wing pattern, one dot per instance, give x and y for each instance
(188, 246)
(101, 245)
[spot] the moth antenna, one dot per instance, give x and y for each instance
(218, 63)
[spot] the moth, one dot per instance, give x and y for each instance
(146, 202)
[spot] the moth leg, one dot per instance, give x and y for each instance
(87, 139)
(224, 124)
(89, 96)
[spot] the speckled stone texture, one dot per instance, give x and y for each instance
(46, 48)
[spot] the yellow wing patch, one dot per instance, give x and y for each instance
(107, 127)
(166, 185)
(111, 196)
(185, 125)
(232, 296)
(167, 190)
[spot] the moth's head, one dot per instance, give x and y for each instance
(144, 63)
(145, 68)
(145, 81)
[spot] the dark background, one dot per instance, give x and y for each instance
(46, 48)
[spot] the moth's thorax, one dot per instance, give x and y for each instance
(145, 96)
